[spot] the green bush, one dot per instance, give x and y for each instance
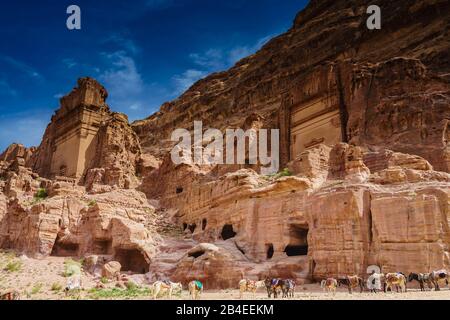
(116, 293)
(56, 287)
(41, 194)
(284, 173)
(37, 288)
(14, 266)
(104, 280)
(131, 285)
(92, 203)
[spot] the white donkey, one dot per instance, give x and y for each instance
(159, 286)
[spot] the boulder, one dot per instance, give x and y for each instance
(111, 270)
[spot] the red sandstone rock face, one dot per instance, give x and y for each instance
(15, 151)
(89, 143)
(406, 108)
(117, 155)
(118, 225)
(332, 218)
(393, 84)
(377, 200)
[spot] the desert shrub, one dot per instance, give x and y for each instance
(284, 173)
(131, 285)
(92, 203)
(56, 287)
(72, 267)
(13, 266)
(104, 280)
(41, 194)
(37, 288)
(116, 293)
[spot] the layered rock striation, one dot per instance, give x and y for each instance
(363, 118)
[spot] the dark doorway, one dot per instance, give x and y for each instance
(64, 249)
(102, 247)
(132, 260)
(298, 244)
(270, 251)
(179, 190)
(196, 254)
(228, 232)
(192, 227)
(204, 224)
(293, 251)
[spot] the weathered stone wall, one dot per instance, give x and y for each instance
(335, 218)
(329, 56)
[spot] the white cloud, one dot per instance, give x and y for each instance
(69, 63)
(124, 43)
(127, 90)
(21, 66)
(215, 59)
(6, 89)
(122, 78)
(212, 58)
(240, 52)
(183, 81)
(136, 106)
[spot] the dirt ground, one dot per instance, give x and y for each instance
(45, 279)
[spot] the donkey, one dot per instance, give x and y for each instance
(288, 288)
(274, 286)
(439, 276)
(422, 279)
(329, 285)
(352, 282)
(252, 286)
(158, 286)
(195, 289)
(397, 279)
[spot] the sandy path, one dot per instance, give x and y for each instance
(37, 280)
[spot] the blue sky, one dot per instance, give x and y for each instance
(145, 52)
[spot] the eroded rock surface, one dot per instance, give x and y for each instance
(363, 118)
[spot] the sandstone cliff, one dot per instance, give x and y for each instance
(367, 180)
(88, 142)
(392, 86)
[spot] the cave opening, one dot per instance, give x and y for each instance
(298, 244)
(62, 249)
(228, 232)
(185, 225)
(196, 254)
(293, 251)
(102, 247)
(204, 224)
(269, 251)
(132, 260)
(179, 190)
(192, 227)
